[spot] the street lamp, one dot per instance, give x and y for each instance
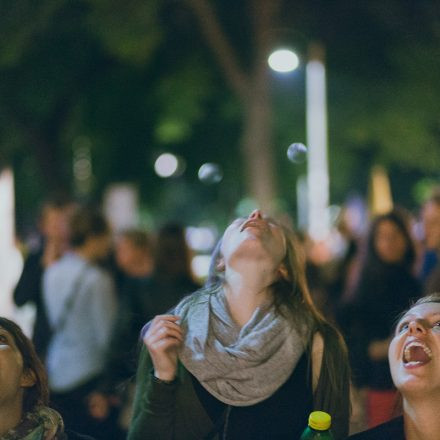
(316, 122)
(283, 60)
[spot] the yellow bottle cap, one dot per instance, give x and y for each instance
(320, 420)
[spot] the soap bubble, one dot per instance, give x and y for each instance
(297, 152)
(210, 173)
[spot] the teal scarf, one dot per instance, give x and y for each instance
(42, 423)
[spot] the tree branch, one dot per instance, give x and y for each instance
(219, 44)
(264, 14)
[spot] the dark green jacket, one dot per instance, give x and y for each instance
(173, 411)
(166, 411)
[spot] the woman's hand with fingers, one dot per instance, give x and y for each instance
(163, 339)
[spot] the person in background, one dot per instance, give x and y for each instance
(81, 306)
(385, 287)
(172, 277)
(24, 394)
(53, 226)
(431, 262)
(344, 265)
(133, 255)
(154, 279)
(414, 358)
(248, 356)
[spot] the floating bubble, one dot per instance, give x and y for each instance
(210, 173)
(297, 153)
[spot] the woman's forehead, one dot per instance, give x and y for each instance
(423, 310)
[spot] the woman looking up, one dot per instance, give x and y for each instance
(247, 356)
(24, 394)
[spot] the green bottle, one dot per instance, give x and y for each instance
(319, 427)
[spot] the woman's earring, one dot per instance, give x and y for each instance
(282, 270)
(220, 266)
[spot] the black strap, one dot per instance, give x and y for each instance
(219, 424)
(71, 298)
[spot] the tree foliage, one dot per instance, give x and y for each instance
(136, 78)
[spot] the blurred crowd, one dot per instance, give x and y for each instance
(93, 291)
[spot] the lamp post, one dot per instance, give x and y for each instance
(316, 125)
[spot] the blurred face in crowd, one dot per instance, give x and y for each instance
(100, 245)
(414, 352)
(129, 256)
(13, 378)
(125, 253)
(55, 223)
(431, 225)
(389, 242)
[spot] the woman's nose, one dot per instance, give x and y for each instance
(416, 327)
(255, 214)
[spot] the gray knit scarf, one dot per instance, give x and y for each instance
(238, 366)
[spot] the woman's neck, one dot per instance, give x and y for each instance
(10, 416)
(421, 418)
(245, 292)
(140, 269)
(85, 253)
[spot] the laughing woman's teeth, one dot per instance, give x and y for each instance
(412, 353)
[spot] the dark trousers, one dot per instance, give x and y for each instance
(73, 407)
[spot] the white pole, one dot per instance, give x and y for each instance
(10, 258)
(317, 162)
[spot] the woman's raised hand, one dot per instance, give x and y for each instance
(163, 339)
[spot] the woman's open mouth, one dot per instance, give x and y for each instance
(416, 353)
(251, 223)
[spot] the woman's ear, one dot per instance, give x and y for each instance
(28, 378)
(283, 272)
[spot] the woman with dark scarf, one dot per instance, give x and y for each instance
(385, 287)
(24, 393)
(248, 356)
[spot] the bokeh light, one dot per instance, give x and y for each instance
(201, 239)
(200, 266)
(166, 165)
(283, 60)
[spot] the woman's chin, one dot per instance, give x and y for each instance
(413, 385)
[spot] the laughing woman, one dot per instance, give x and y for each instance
(246, 357)
(414, 356)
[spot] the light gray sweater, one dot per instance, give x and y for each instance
(77, 351)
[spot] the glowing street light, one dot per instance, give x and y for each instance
(283, 60)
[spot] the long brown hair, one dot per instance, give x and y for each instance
(37, 394)
(333, 391)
